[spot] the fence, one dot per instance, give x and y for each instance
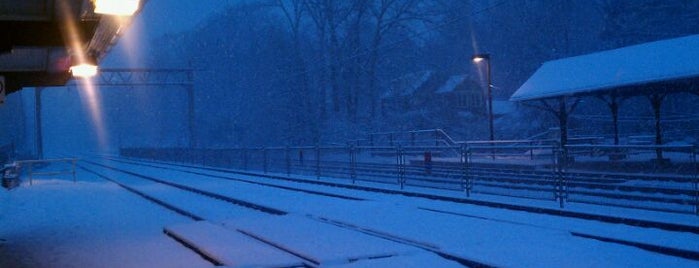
(34, 168)
(621, 176)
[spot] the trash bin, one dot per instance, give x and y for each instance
(10, 176)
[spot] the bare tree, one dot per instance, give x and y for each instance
(328, 16)
(387, 16)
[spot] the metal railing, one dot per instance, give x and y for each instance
(36, 168)
(621, 176)
(425, 137)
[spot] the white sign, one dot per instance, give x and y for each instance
(2, 89)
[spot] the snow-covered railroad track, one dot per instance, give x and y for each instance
(616, 219)
(658, 192)
(180, 208)
(646, 246)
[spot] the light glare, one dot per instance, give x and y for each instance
(116, 7)
(478, 59)
(84, 70)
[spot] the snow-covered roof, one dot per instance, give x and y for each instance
(407, 85)
(634, 65)
(451, 83)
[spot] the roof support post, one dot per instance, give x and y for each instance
(563, 122)
(561, 113)
(614, 107)
(613, 103)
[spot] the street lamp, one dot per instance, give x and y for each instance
(478, 58)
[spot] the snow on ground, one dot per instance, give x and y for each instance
(43, 226)
(398, 215)
(58, 223)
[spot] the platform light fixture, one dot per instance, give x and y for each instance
(84, 70)
(117, 7)
(480, 57)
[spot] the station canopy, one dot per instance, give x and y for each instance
(41, 39)
(670, 65)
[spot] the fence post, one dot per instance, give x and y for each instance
(400, 162)
(73, 169)
(317, 161)
(30, 174)
(264, 153)
(696, 180)
(245, 159)
(465, 178)
(436, 137)
(352, 163)
(560, 188)
(288, 161)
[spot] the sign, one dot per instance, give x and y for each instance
(2, 89)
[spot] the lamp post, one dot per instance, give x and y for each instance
(477, 58)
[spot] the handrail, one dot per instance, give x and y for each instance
(30, 164)
(545, 172)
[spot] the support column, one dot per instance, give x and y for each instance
(614, 107)
(190, 109)
(190, 117)
(37, 122)
(563, 122)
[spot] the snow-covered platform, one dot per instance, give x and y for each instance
(59, 223)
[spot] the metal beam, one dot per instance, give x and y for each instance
(145, 77)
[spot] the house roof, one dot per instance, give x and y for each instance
(624, 68)
(451, 83)
(408, 84)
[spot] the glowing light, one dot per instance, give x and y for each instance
(480, 57)
(91, 97)
(84, 70)
(117, 7)
(89, 94)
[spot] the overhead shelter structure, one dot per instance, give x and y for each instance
(41, 39)
(653, 70)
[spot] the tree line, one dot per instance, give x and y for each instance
(273, 72)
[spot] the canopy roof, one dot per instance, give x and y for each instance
(624, 69)
(41, 39)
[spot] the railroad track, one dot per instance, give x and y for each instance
(178, 208)
(657, 192)
(556, 212)
(266, 209)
